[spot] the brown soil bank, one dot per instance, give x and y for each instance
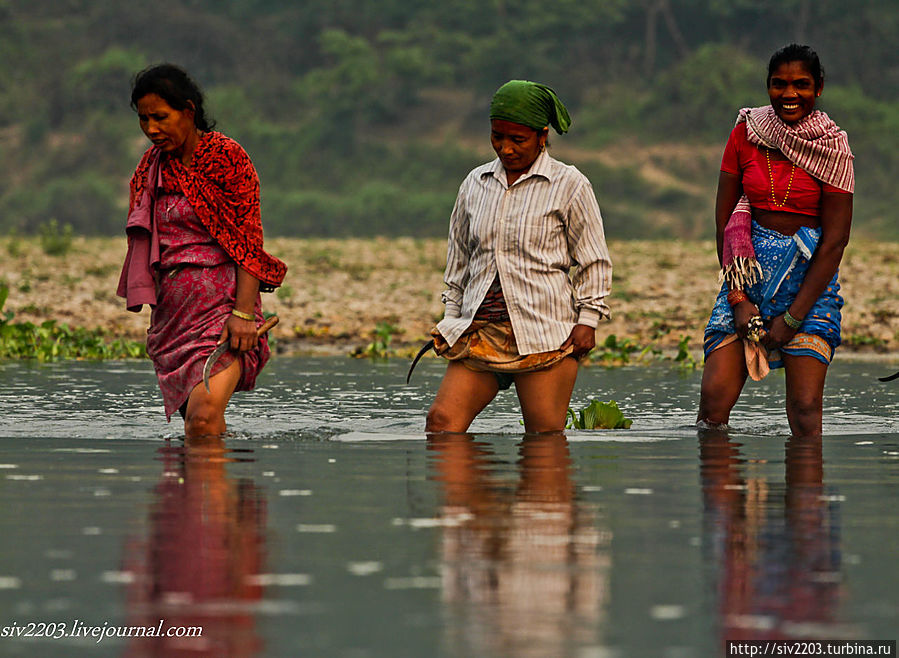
(337, 291)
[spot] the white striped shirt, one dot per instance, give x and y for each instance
(531, 234)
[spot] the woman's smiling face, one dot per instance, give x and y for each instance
(792, 91)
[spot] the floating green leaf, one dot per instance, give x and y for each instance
(598, 415)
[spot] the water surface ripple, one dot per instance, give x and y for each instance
(328, 524)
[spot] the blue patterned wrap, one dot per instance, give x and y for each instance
(784, 260)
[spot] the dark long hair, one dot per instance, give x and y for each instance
(173, 85)
(797, 53)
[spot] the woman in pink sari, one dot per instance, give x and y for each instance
(195, 251)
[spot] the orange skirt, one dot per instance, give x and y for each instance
(491, 347)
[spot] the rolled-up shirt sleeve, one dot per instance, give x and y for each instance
(457, 254)
(592, 280)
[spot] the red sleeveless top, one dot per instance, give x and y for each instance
(746, 160)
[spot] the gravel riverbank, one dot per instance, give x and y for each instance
(338, 291)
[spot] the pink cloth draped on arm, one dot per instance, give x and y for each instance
(137, 282)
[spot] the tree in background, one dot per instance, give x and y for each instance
(361, 115)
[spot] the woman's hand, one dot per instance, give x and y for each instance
(583, 338)
(742, 313)
(241, 333)
(778, 334)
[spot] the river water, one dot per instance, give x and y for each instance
(326, 524)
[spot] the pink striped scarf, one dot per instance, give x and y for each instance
(815, 144)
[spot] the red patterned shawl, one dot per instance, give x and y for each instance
(222, 187)
(815, 144)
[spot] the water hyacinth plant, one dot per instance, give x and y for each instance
(598, 416)
(50, 341)
(617, 351)
(614, 351)
(380, 347)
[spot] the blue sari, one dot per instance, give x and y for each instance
(784, 260)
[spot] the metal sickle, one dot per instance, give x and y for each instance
(427, 346)
(224, 347)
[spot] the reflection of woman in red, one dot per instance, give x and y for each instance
(524, 566)
(206, 542)
(778, 557)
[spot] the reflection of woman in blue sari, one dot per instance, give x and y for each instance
(783, 213)
(774, 548)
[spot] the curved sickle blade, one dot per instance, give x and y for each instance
(429, 345)
(207, 368)
(224, 347)
(895, 375)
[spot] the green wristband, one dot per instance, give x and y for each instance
(790, 321)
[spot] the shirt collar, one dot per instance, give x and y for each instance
(542, 167)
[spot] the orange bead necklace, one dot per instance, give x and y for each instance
(771, 178)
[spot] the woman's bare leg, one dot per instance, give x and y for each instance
(545, 395)
(805, 394)
(723, 378)
(205, 414)
(462, 395)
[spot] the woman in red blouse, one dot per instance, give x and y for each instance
(783, 213)
(195, 251)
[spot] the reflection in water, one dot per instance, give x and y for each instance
(525, 569)
(776, 548)
(206, 542)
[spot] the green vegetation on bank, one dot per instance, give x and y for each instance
(363, 116)
(615, 351)
(380, 346)
(50, 341)
(610, 353)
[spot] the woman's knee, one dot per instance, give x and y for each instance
(438, 419)
(716, 399)
(805, 385)
(723, 378)
(805, 404)
(203, 420)
(804, 412)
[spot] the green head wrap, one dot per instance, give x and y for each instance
(530, 104)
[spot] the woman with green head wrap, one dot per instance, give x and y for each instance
(520, 224)
(529, 104)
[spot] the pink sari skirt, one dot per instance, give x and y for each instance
(193, 304)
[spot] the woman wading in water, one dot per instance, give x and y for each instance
(195, 251)
(783, 214)
(513, 314)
